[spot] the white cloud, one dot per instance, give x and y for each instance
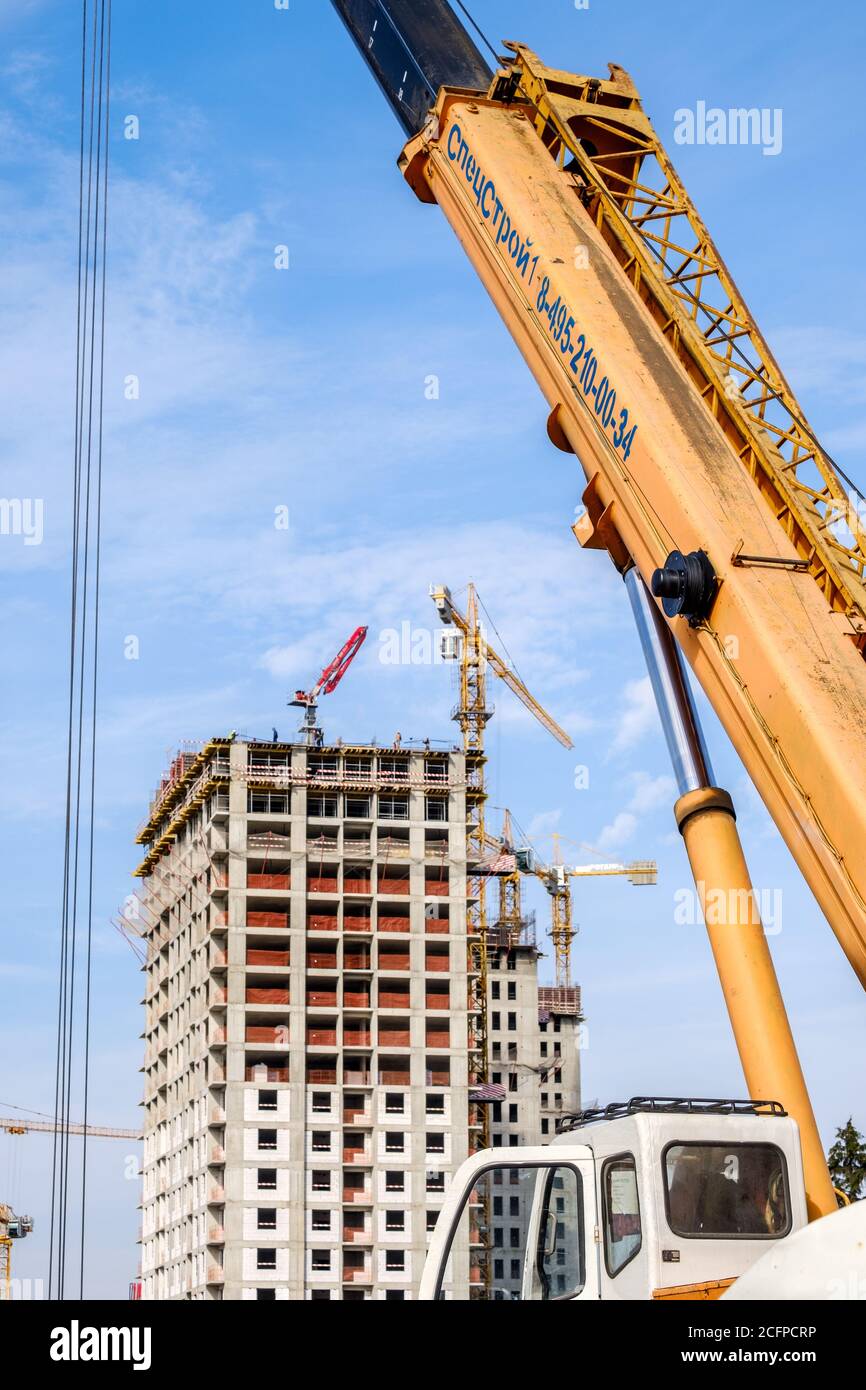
(851, 437)
(233, 615)
(637, 717)
(648, 795)
(651, 792)
(299, 661)
(543, 824)
(618, 832)
(822, 361)
(827, 368)
(24, 69)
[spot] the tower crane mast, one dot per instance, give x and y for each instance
(556, 878)
(467, 644)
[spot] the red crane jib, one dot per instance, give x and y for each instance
(334, 673)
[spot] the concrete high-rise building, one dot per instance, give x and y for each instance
(309, 1020)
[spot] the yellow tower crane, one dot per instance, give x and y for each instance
(467, 645)
(511, 922)
(522, 860)
(556, 879)
(14, 1227)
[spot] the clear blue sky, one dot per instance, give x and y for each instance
(305, 389)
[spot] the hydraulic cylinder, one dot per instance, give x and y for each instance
(707, 822)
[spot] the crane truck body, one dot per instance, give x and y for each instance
(741, 546)
(653, 1199)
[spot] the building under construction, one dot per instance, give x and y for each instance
(313, 1009)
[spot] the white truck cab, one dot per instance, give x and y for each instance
(653, 1198)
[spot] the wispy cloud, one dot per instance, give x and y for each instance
(20, 11)
(637, 716)
(543, 824)
(24, 70)
(823, 361)
(648, 794)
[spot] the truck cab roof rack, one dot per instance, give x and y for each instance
(669, 1105)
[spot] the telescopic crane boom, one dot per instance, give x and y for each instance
(741, 545)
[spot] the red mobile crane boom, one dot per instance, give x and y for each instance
(327, 684)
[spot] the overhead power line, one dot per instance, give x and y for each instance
(72, 1063)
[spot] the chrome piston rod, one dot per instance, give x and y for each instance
(673, 695)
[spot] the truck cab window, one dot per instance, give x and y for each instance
(715, 1190)
(559, 1263)
(622, 1227)
(536, 1254)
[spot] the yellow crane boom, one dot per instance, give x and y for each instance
(18, 1126)
(741, 545)
(636, 358)
(556, 876)
(12, 1227)
(480, 652)
(641, 872)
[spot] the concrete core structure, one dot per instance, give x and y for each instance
(308, 1013)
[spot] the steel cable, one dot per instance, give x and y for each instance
(74, 1009)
